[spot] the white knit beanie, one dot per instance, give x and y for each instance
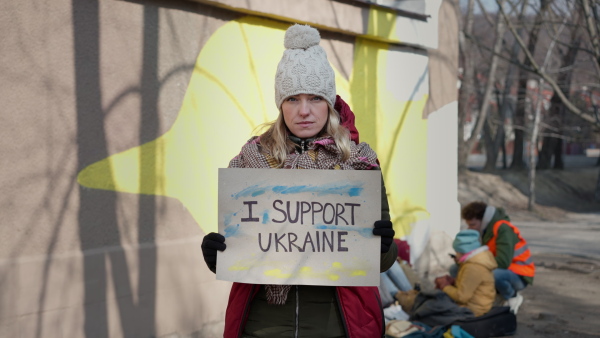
(304, 68)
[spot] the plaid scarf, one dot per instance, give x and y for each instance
(321, 153)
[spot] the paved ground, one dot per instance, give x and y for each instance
(578, 235)
(565, 298)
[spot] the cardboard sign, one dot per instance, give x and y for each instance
(308, 227)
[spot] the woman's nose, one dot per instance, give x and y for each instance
(304, 108)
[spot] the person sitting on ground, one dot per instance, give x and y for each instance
(474, 284)
(391, 282)
(515, 267)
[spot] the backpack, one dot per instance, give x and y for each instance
(498, 322)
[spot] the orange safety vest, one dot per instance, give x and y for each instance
(521, 263)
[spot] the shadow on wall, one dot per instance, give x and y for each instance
(98, 221)
(98, 224)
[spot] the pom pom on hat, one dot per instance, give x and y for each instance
(301, 36)
(466, 241)
(303, 68)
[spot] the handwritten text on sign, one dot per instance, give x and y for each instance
(311, 227)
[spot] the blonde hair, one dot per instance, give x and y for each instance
(275, 142)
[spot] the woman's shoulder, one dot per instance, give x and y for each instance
(362, 157)
(249, 149)
(363, 149)
(362, 145)
(253, 140)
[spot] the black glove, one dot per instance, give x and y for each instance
(386, 231)
(210, 244)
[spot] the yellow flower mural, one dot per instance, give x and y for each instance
(231, 92)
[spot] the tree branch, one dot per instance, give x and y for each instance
(536, 69)
(499, 30)
(593, 33)
(505, 58)
(485, 14)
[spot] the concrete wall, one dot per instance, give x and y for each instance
(116, 115)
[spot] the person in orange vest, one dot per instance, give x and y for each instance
(515, 267)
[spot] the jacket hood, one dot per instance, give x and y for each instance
(483, 257)
(499, 214)
(346, 117)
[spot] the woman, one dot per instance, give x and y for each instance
(308, 134)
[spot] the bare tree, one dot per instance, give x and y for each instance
(576, 63)
(592, 24)
(552, 144)
(536, 69)
(496, 141)
(465, 97)
(466, 87)
(535, 127)
(519, 116)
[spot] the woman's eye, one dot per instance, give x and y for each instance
(291, 99)
(317, 98)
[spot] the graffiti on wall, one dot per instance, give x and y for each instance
(230, 94)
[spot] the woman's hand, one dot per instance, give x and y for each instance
(384, 229)
(210, 244)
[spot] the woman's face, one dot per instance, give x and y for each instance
(305, 115)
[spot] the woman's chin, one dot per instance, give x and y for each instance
(305, 134)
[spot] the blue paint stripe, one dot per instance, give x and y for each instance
(365, 232)
(231, 230)
(341, 189)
